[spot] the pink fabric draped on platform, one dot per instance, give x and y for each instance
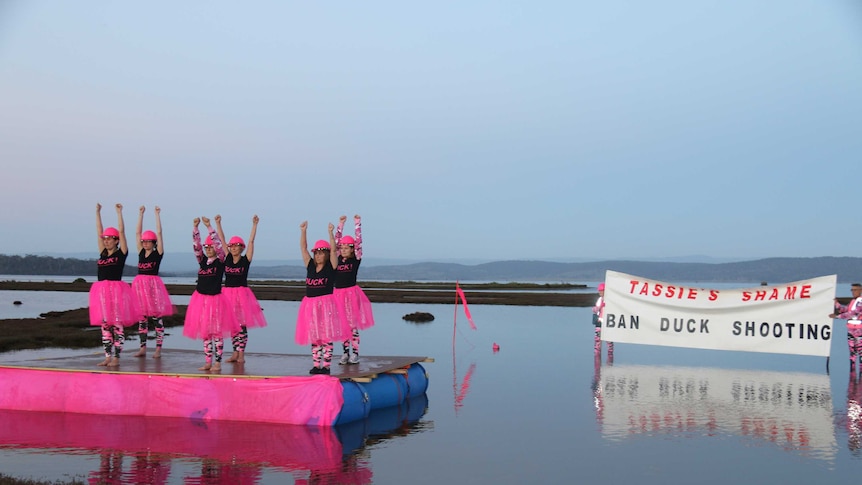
(318, 321)
(354, 307)
(153, 297)
(209, 316)
(113, 302)
(245, 306)
(314, 400)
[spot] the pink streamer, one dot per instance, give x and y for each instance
(466, 309)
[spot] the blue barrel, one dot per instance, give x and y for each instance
(417, 380)
(356, 402)
(386, 390)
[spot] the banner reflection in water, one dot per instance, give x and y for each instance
(791, 410)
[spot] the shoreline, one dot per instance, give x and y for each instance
(518, 294)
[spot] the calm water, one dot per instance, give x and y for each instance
(538, 411)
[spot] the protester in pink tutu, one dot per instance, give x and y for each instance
(112, 303)
(354, 308)
(243, 302)
(153, 298)
(209, 316)
(318, 323)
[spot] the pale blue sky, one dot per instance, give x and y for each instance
(458, 130)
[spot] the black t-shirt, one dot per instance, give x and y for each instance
(149, 265)
(346, 271)
(209, 277)
(236, 274)
(318, 283)
(111, 267)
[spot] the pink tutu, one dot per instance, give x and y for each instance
(153, 298)
(113, 302)
(245, 306)
(209, 316)
(318, 321)
(354, 308)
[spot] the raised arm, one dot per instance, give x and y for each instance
(249, 248)
(139, 229)
(220, 254)
(99, 228)
(333, 252)
(218, 227)
(339, 230)
(357, 244)
(303, 243)
(196, 240)
(161, 247)
(121, 226)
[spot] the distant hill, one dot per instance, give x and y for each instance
(772, 270)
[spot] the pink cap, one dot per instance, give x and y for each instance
(111, 232)
(149, 236)
(321, 245)
(208, 241)
(236, 240)
(601, 287)
(347, 240)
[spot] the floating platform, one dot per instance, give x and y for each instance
(267, 388)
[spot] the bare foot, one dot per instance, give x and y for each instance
(104, 362)
(216, 367)
(205, 367)
(158, 353)
(142, 352)
(241, 358)
(115, 361)
(233, 357)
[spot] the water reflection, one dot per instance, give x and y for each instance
(133, 450)
(792, 411)
(854, 414)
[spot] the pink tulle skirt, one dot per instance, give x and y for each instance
(318, 321)
(246, 309)
(153, 298)
(354, 308)
(113, 302)
(209, 316)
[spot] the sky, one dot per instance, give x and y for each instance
(459, 131)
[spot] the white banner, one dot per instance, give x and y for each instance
(791, 318)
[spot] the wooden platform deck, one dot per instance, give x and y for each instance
(186, 363)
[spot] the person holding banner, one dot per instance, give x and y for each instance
(598, 319)
(852, 312)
